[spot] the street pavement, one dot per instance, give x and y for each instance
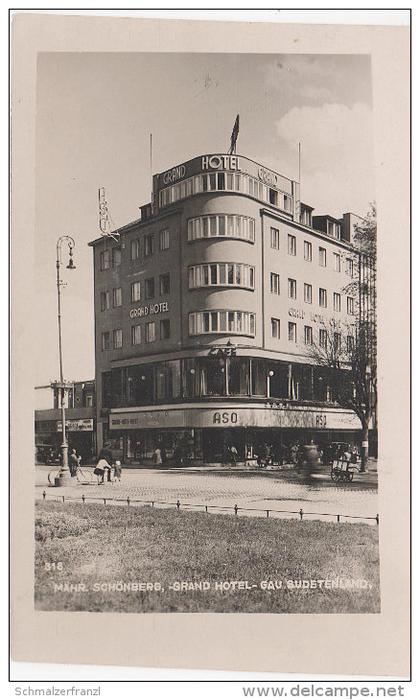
(222, 489)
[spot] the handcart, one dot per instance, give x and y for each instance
(342, 470)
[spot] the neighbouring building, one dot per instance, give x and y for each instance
(80, 420)
(204, 311)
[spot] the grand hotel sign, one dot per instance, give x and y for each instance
(223, 162)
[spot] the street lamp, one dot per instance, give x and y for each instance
(64, 477)
(269, 375)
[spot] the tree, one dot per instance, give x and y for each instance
(351, 361)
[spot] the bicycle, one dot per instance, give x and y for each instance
(83, 476)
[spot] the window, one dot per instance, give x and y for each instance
(308, 335)
(117, 338)
(222, 225)
(106, 340)
(350, 343)
(236, 322)
(148, 245)
(164, 284)
(292, 332)
(349, 267)
(116, 257)
(274, 283)
(307, 251)
(165, 329)
(307, 293)
(323, 297)
(337, 301)
(322, 257)
(337, 262)
(150, 332)
(149, 288)
(135, 291)
(350, 305)
(105, 260)
(275, 238)
(105, 301)
(164, 239)
(136, 335)
(337, 342)
(291, 244)
(323, 338)
(275, 328)
(221, 274)
(292, 288)
(117, 297)
(135, 249)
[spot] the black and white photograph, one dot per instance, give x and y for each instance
(208, 409)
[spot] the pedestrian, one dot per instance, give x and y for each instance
(157, 457)
(233, 452)
(74, 462)
(294, 453)
(117, 470)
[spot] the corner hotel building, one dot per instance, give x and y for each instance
(204, 309)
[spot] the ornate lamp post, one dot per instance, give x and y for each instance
(64, 477)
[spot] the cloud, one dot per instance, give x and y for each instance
(337, 154)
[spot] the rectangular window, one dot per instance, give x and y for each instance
(323, 338)
(136, 335)
(274, 283)
(106, 340)
(150, 332)
(135, 291)
(117, 338)
(337, 262)
(275, 238)
(292, 332)
(149, 288)
(292, 288)
(350, 343)
(307, 293)
(308, 335)
(323, 297)
(116, 257)
(307, 251)
(164, 239)
(148, 245)
(349, 267)
(275, 328)
(117, 297)
(105, 260)
(350, 305)
(337, 301)
(164, 284)
(105, 301)
(165, 329)
(322, 257)
(337, 342)
(135, 249)
(291, 244)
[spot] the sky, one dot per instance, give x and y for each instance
(95, 112)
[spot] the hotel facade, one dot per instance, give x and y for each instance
(205, 311)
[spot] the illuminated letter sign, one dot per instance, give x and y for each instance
(174, 174)
(219, 163)
(149, 310)
(267, 176)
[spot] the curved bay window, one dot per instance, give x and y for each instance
(232, 322)
(222, 226)
(226, 182)
(221, 275)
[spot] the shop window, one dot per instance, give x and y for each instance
(238, 376)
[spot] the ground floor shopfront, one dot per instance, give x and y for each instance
(197, 433)
(80, 435)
